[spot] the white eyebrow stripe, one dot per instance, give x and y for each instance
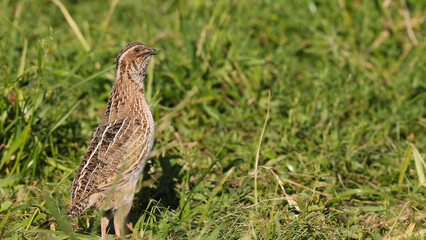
(126, 52)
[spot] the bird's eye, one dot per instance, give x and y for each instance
(137, 50)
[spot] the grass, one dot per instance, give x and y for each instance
(342, 153)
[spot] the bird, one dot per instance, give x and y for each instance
(118, 150)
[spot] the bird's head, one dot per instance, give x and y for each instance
(134, 57)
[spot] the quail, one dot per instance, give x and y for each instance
(118, 151)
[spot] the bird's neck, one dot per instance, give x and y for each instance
(127, 98)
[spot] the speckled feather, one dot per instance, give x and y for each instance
(119, 147)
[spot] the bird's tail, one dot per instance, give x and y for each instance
(77, 209)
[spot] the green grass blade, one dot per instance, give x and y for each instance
(404, 164)
(351, 192)
(88, 79)
(420, 165)
(10, 180)
(188, 198)
(72, 24)
(15, 145)
(61, 219)
(23, 59)
(213, 195)
(64, 116)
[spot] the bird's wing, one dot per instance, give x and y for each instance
(103, 158)
(129, 168)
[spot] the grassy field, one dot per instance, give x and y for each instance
(339, 156)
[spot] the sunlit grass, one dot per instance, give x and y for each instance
(342, 153)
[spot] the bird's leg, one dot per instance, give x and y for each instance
(117, 223)
(104, 225)
(120, 216)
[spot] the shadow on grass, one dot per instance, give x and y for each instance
(163, 192)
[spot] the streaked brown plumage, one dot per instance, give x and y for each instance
(118, 151)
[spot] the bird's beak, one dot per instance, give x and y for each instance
(152, 51)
